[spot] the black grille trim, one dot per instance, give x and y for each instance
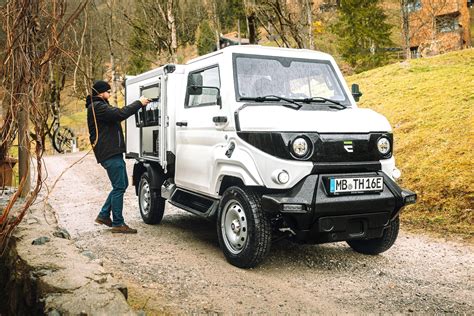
(326, 148)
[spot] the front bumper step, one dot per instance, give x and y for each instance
(317, 217)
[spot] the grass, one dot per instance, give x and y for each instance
(430, 103)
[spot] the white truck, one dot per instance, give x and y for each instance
(269, 143)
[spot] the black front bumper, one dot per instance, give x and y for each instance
(317, 217)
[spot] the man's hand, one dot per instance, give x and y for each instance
(144, 100)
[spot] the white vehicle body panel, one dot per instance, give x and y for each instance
(354, 120)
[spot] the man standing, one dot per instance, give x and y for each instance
(106, 136)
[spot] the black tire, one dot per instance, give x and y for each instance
(243, 228)
(150, 202)
(378, 245)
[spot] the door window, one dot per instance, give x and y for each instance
(150, 116)
(203, 87)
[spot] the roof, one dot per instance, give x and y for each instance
(266, 50)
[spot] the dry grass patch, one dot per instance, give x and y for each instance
(429, 103)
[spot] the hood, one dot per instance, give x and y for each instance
(90, 100)
(281, 119)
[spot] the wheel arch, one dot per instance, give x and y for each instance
(227, 181)
(155, 173)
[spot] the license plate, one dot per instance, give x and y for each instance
(355, 185)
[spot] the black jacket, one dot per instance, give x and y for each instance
(110, 141)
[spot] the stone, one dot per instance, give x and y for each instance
(40, 241)
(122, 288)
(62, 233)
(89, 254)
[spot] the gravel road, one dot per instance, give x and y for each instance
(177, 266)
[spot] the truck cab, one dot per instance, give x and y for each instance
(270, 144)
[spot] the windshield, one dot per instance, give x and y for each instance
(259, 76)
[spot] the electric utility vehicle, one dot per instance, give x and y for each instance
(269, 143)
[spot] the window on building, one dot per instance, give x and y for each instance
(447, 23)
(415, 53)
(413, 5)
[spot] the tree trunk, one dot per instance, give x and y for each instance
(406, 27)
(24, 151)
(310, 23)
(172, 28)
(251, 20)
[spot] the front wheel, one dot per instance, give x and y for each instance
(243, 228)
(377, 245)
(152, 205)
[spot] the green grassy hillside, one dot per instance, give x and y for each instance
(430, 103)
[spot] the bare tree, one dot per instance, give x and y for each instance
(290, 23)
(34, 30)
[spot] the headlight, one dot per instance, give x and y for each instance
(383, 145)
(300, 147)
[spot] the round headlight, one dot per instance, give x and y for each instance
(383, 145)
(300, 147)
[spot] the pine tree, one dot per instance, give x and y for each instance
(363, 33)
(206, 39)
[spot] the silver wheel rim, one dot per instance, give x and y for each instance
(145, 200)
(234, 227)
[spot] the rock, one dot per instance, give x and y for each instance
(62, 233)
(40, 241)
(89, 254)
(122, 288)
(54, 312)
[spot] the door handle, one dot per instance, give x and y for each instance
(219, 119)
(183, 123)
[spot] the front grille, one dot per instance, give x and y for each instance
(325, 147)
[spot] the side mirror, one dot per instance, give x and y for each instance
(195, 84)
(356, 92)
(194, 90)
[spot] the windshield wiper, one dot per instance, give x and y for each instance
(322, 99)
(292, 103)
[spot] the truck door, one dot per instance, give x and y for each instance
(149, 120)
(199, 130)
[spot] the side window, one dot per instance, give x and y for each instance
(203, 87)
(149, 116)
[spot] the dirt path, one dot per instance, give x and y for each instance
(177, 266)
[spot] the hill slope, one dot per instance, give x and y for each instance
(429, 103)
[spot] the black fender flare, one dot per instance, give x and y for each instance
(154, 171)
(156, 175)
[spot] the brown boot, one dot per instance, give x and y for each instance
(124, 229)
(104, 221)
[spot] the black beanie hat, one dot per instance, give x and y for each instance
(99, 87)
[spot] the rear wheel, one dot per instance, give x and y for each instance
(152, 205)
(378, 245)
(243, 228)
